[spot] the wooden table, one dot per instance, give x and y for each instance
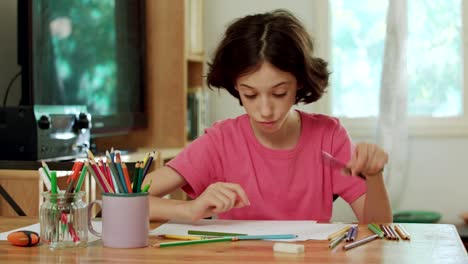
(431, 243)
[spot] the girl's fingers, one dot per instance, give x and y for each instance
(361, 159)
(218, 202)
(229, 196)
(239, 191)
(367, 159)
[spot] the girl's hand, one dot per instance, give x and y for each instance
(368, 160)
(217, 198)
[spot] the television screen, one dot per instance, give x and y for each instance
(86, 52)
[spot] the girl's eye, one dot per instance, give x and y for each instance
(279, 95)
(250, 96)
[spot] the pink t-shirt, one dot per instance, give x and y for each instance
(293, 184)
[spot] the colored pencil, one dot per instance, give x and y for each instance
(185, 237)
(114, 175)
(127, 178)
(338, 240)
(96, 178)
(211, 233)
(145, 159)
(118, 165)
(101, 177)
(375, 230)
(394, 235)
(140, 177)
(81, 178)
(402, 232)
(147, 186)
(338, 233)
(45, 179)
(53, 182)
(108, 175)
(355, 232)
(350, 233)
(377, 227)
(90, 155)
(73, 171)
(386, 232)
(135, 176)
(261, 237)
(147, 165)
(191, 242)
(360, 242)
(46, 169)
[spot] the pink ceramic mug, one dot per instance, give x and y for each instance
(125, 219)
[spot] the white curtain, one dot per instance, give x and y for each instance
(392, 129)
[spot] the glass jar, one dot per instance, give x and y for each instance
(63, 219)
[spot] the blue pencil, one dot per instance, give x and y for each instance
(255, 237)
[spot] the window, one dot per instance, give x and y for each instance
(435, 58)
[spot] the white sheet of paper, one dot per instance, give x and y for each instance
(37, 228)
(305, 230)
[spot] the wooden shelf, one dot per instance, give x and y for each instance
(170, 71)
(196, 58)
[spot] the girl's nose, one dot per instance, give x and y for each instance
(265, 108)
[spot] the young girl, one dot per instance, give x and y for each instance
(267, 164)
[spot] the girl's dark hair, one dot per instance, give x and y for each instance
(276, 37)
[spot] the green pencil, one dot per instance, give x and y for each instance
(190, 242)
(53, 181)
(81, 179)
(375, 230)
(209, 233)
(147, 186)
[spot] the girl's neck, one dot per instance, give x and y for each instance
(285, 138)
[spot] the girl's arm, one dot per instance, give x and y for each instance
(374, 206)
(217, 198)
(164, 181)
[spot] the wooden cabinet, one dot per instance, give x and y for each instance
(172, 66)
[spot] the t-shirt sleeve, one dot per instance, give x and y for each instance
(199, 164)
(347, 187)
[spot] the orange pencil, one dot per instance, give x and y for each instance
(127, 177)
(73, 172)
(402, 232)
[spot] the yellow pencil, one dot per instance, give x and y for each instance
(90, 155)
(339, 232)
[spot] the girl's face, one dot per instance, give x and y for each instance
(267, 95)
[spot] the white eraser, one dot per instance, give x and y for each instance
(288, 248)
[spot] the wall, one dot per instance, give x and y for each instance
(8, 52)
(436, 179)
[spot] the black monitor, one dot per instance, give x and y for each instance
(85, 52)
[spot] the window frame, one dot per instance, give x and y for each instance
(365, 127)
